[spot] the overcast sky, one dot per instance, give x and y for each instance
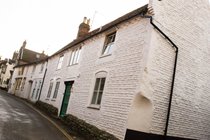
(51, 24)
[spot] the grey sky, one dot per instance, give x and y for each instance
(51, 24)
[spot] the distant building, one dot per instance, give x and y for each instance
(27, 80)
(6, 70)
(28, 73)
(24, 56)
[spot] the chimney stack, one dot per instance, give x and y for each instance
(24, 44)
(84, 28)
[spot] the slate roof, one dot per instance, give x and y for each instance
(30, 56)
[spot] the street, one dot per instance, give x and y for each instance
(20, 122)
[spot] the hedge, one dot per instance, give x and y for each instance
(51, 110)
(86, 130)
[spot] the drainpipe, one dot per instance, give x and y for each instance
(174, 70)
(42, 83)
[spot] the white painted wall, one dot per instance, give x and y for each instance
(140, 72)
(187, 23)
(124, 73)
(32, 77)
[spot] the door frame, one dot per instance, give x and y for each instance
(62, 104)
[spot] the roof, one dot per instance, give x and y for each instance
(30, 56)
(32, 63)
(141, 10)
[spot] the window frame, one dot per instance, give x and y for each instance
(96, 103)
(57, 85)
(60, 62)
(50, 89)
(42, 68)
(23, 84)
(109, 44)
(75, 56)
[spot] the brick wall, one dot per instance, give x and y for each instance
(187, 23)
(124, 68)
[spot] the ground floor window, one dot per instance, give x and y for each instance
(98, 88)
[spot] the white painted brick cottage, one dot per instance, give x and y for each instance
(145, 75)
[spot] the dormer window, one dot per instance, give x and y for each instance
(109, 43)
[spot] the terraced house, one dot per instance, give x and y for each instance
(28, 74)
(144, 75)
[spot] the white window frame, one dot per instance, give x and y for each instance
(94, 102)
(75, 56)
(57, 85)
(42, 68)
(50, 89)
(60, 61)
(109, 43)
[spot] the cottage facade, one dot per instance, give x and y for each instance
(127, 90)
(27, 80)
(144, 75)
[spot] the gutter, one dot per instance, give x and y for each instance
(174, 70)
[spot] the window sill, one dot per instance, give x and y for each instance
(53, 100)
(105, 55)
(92, 106)
(47, 99)
(73, 64)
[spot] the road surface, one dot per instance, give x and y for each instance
(20, 122)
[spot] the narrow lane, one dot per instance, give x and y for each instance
(20, 122)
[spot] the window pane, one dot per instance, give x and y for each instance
(102, 84)
(106, 48)
(72, 57)
(110, 47)
(75, 57)
(97, 84)
(50, 89)
(94, 97)
(56, 89)
(60, 62)
(79, 52)
(99, 97)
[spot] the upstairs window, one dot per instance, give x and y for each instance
(109, 43)
(17, 83)
(60, 61)
(20, 71)
(75, 55)
(42, 68)
(34, 68)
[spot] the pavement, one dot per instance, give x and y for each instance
(19, 121)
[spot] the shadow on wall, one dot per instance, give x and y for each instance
(140, 115)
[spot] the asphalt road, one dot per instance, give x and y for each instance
(20, 122)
